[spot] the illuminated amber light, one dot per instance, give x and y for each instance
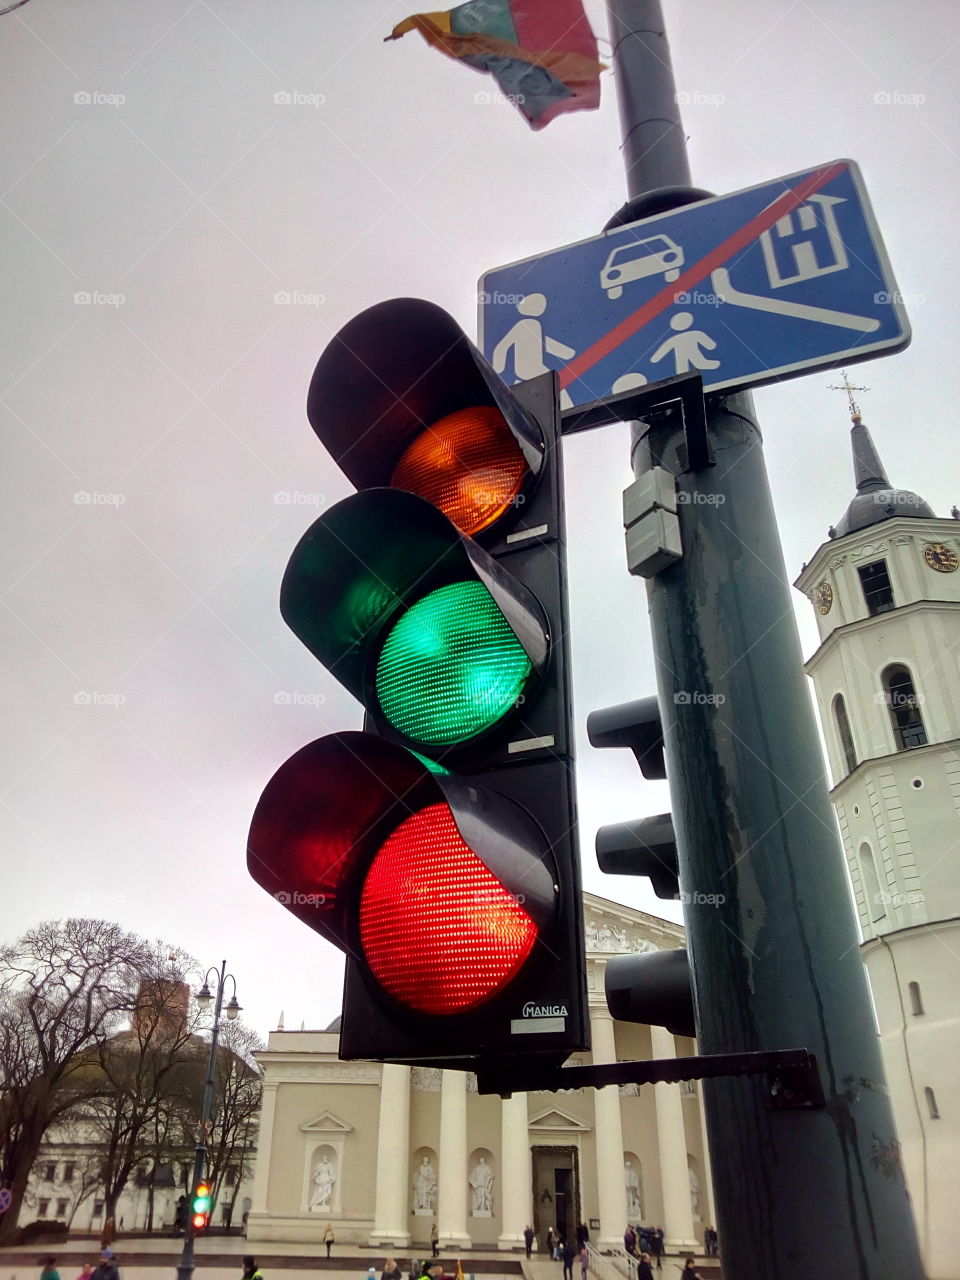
(467, 464)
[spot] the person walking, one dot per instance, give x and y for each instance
(630, 1241)
(690, 1271)
(435, 1242)
(548, 1242)
(584, 1260)
(250, 1269)
(644, 1270)
(583, 1235)
(49, 1271)
(528, 1239)
(329, 1238)
(569, 1253)
(106, 1268)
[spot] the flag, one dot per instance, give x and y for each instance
(459, 1270)
(541, 53)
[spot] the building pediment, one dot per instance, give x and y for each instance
(326, 1123)
(556, 1120)
(612, 929)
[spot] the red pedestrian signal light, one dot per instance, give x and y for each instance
(437, 848)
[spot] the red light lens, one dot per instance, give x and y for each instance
(199, 1220)
(439, 931)
(468, 464)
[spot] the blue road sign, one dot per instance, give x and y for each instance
(745, 289)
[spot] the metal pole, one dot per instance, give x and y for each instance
(775, 963)
(185, 1265)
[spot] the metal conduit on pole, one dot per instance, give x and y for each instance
(776, 964)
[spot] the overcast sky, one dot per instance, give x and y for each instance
(158, 464)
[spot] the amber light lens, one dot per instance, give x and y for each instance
(468, 464)
(438, 929)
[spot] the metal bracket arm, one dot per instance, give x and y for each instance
(793, 1076)
(641, 402)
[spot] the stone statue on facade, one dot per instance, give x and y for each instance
(481, 1183)
(425, 1188)
(324, 1180)
(631, 1180)
(694, 1192)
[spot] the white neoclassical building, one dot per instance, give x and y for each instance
(886, 674)
(384, 1152)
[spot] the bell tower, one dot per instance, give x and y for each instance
(886, 675)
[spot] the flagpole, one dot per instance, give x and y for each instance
(798, 1192)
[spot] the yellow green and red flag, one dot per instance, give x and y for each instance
(542, 53)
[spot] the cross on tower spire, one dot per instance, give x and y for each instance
(850, 388)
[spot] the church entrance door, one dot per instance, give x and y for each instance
(556, 1192)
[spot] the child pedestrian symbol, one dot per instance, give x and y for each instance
(687, 349)
(529, 344)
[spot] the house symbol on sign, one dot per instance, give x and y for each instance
(805, 243)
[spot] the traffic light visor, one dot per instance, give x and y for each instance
(439, 889)
(401, 397)
(421, 625)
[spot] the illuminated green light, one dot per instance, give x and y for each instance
(451, 666)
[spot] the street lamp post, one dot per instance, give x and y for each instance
(204, 996)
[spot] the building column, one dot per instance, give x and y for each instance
(516, 1174)
(708, 1212)
(611, 1188)
(672, 1144)
(261, 1175)
(452, 1178)
(390, 1215)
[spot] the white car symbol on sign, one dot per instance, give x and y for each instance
(638, 259)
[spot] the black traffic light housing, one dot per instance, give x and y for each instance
(652, 988)
(468, 829)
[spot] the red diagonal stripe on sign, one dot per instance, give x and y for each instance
(765, 219)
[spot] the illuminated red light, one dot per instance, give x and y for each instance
(199, 1220)
(439, 931)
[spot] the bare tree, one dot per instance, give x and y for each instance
(237, 1092)
(142, 1067)
(65, 987)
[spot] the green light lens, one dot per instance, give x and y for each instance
(451, 667)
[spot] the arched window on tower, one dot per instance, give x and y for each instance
(916, 1000)
(904, 705)
(843, 732)
(876, 907)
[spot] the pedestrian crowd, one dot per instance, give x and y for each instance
(106, 1268)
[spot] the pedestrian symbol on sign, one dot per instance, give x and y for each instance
(527, 342)
(687, 347)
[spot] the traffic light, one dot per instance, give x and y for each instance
(202, 1204)
(652, 988)
(437, 848)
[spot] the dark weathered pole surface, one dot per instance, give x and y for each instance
(776, 964)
